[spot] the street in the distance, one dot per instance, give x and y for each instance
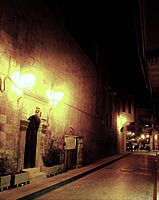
(131, 178)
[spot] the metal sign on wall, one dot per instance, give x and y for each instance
(70, 142)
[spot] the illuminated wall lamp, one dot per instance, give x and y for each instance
(54, 97)
(122, 120)
(20, 82)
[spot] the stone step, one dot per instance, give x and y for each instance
(35, 174)
(32, 170)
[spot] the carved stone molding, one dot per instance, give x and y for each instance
(24, 124)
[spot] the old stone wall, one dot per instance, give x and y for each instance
(33, 41)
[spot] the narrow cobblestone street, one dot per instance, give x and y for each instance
(131, 178)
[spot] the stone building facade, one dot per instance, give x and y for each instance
(42, 66)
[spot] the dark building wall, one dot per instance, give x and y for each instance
(150, 14)
(34, 40)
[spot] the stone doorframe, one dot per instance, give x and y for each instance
(39, 145)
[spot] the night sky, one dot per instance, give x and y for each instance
(110, 26)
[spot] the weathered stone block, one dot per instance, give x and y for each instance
(5, 181)
(20, 178)
(7, 128)
(3, 119)
(51, 171)
(2, 139)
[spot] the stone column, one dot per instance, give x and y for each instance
(22, 141)
(40, 145)
(121, 140)
(79, 146)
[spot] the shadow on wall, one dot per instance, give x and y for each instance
(108, 147)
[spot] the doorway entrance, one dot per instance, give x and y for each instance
(31, 140)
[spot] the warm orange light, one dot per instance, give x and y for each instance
(122, 120)
(27, 81)
(16, 87)
(54, 97)
(58, 96)
(20, 82)
(147, 136)
(16, 78)
(129, 133)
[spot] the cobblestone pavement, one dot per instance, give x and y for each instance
(131, 178)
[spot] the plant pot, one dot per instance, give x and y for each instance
(20, 179)
(5, 182)
(54, 170)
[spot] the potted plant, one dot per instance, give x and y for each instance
(53, 161)
(5, 177)
(53, 157)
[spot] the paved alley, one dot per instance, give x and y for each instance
(130, 178)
